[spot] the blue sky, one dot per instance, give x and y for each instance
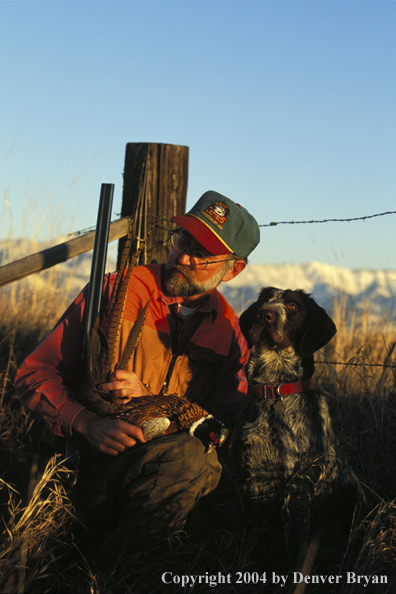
(288, 107)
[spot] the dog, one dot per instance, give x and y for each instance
(288, 459)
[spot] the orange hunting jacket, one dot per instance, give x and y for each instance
(202, 358)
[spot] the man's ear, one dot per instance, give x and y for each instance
(239, 265)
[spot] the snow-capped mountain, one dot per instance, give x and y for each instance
(325, 282)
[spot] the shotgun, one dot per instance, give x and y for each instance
(95, 287)
(94, 298)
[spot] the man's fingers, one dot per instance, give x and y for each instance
(114, 447)
(125, 433)
(110, 386)
(134, 432)
(109, 436)
(108, 450)
(124, 395)
(122, 374)
(124, 383)
(122, 387)
(115, 442)
(120, 390)
(121, 400)
(119, 441)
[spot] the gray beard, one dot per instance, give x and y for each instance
(187, 286)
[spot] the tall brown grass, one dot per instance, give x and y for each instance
(38, 551)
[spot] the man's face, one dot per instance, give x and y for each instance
(183, 280)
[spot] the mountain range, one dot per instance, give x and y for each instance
(362, 289)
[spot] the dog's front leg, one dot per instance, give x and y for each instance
(296, 514)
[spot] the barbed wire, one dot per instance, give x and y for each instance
(273, 224)
(361, 363)
(381, 214)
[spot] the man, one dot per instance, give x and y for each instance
(131, 492)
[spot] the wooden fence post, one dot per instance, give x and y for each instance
(160, 173)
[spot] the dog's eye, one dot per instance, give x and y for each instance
(292, 306)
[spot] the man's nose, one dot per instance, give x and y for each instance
(184, 258)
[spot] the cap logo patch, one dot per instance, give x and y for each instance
(217, 213)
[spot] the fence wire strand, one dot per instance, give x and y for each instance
(272, 224)
(360, 364)
(381, 214)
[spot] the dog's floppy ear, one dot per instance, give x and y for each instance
(319, 331)
(246, 321)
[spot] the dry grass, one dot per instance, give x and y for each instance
(38, 551)
(38, 538)
(377, 535)
(356, 373)
(363, 341)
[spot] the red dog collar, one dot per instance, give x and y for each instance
(272, 392)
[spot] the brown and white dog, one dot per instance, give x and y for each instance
(287, 455)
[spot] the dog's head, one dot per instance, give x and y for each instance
(280, 319)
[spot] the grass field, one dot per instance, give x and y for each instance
(38, 550)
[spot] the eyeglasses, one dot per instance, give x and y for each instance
(197, 258)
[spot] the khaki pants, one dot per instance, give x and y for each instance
(144, 494)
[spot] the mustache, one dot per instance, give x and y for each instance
(179, 267)
(176, 266)
(183, 269)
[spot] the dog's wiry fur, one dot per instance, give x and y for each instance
(290, 460)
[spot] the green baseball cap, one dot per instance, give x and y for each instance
(221, 226)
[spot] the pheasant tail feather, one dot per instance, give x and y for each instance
(134, 336)
(117, 305)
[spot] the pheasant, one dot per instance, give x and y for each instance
(156, 415)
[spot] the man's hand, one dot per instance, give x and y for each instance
(124, 386)
(108, 436)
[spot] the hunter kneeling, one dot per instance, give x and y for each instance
(132, 492)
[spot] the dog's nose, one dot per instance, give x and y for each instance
(267, 315)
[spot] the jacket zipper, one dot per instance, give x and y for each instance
(169, 374)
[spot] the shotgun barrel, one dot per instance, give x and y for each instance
(98, 261)
(94, 297)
